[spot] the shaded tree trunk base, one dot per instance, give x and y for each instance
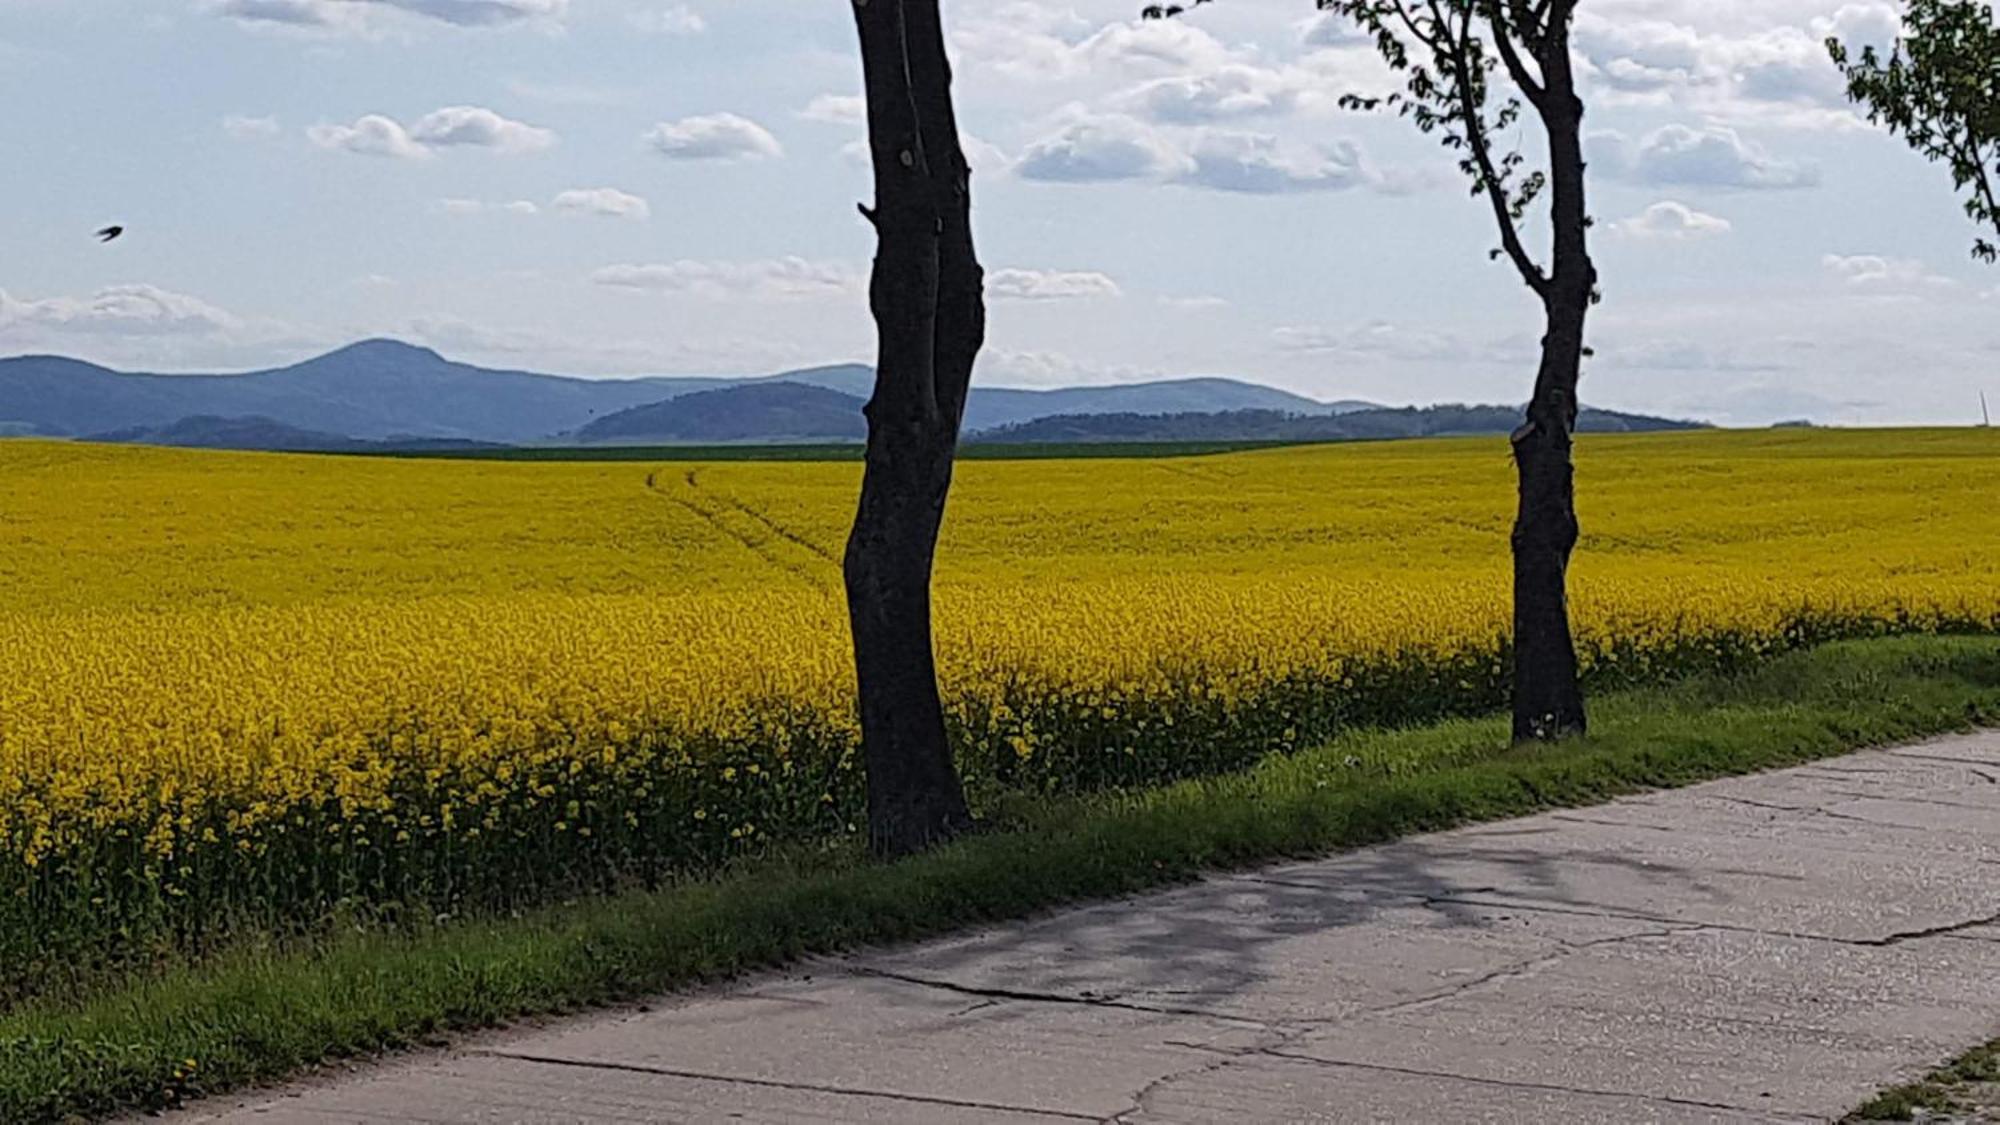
(1548, 699)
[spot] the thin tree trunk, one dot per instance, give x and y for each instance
(922, 368)
(1548, 699)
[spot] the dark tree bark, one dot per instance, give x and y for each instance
(927, 297)
(1449, 52)
(1548, 700)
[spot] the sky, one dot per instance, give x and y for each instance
(617, 187)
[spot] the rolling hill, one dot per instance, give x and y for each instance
(765, 411)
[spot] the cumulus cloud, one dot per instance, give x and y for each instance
(451, 127)
(1258, 165)
(1112, 147)
(1102, 148)
(775, 277)
(1877, 273)
(371, 135)
(1713, 156)
(609, 202)
(476, 127)
(1766, 63)
(1671, 221)
(713, 136)
(836, 109)
(1049, 285)
(1027, 41)
(124, 310)
(675, 19)
(246, 128)
(1333, 30)
(1233, 91)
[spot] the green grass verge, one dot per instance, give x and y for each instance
(259, 1015)
(1962, 1086)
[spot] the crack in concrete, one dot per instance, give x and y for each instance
(1683, 926)
(1516, 971)
(1816, 810)
(1549, 1087)
(1228, 1058)
(1973, 767)
(1083, 999)
(781, 1084)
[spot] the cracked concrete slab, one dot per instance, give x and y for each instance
(1772, 948)
(1748, 1021)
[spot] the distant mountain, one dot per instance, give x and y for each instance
(379, 390)
(1270, 425)
(207, 431)
(988, 407)
(371, 390)
(762, 411)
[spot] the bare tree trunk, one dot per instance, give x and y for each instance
(927, 300)
(1548, 699)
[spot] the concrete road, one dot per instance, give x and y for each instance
(1770, 948)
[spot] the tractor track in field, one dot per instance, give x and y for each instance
(714, 508)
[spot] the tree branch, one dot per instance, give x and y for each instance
(1517, 69)
(1482, 155)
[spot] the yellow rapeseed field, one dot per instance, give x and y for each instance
(253, 690)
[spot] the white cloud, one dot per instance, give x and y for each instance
(1049, 285)
(1007, 367)
(1095, 149)
(836, 109)
(1375, 340)
(1258, 165)
(352, 16)
(125, 310)
(460, 206)
(1713, 156)
(1671, 221)
(372, 135)
(314, 15)
(1232, 91)
(481, 13)
(674, 19)
(1877, 273)
(776, 277)
(1332, 29)
(246, 128)
(1112, 147)
(1765, 64)
(1025, 41)
(605, 201)
(714, 136)
(458, 126)
(477, 127)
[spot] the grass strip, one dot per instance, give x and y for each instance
(1954, 1091)
(256, 1016)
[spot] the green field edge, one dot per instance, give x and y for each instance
(1963, 1086)
(255, 1017)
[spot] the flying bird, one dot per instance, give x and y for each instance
(109, 233)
